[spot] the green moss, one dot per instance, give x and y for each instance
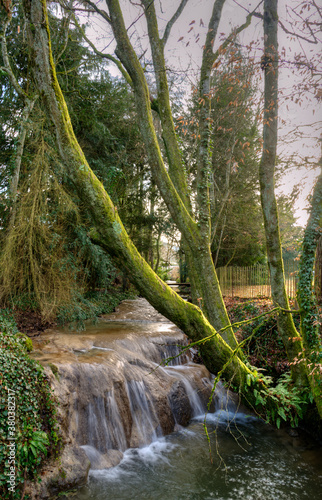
(54, 369)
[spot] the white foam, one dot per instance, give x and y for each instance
(223, 416)
(147, 455)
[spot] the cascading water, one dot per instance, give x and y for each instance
(147, 400)
(112, 387)
(119, 406)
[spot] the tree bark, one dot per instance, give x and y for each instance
(291, 339)
(306, 297)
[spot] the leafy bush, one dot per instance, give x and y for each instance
(28, 428)
(291, 401)
(164, 271)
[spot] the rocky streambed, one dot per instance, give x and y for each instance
(113, 391)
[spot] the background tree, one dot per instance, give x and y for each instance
(236, 217)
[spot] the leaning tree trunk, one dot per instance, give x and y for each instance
(287, 330)
(108, 230)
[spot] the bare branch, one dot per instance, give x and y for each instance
(66, 23)
(102, 54)
(317, 8)
(173, 20)
(208, 55)
(297, 35)
(99, 11)
(238, 30)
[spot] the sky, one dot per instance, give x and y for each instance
(297, 135)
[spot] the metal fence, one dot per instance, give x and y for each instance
(254, 281)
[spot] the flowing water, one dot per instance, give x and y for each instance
(250, 461)
(130, 416)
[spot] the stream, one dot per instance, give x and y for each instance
(141, 424)
(250, 461)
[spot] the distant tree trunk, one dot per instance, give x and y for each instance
(158, 250)
(182, 265)
(287, 330)
(18, 158)
(151, 223)
(318, 272)
(29, 102)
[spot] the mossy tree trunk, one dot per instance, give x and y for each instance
(287, 330)
(310, 320)
(173, 184)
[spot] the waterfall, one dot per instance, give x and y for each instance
(123, 397)
(115, 391)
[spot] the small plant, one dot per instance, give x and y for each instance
(290, 400)
(265, 348)
(31, 445)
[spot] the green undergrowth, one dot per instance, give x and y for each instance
(76, 311)
(28, 426)
(291, 402)
(265, 349)
(91, 305)
(270, 380)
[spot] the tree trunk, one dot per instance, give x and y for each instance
(18, 158)
(310, 319)
(29, 102)
(172, 185)
(287, 330)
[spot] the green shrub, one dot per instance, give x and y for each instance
(90, 306)
(28, 427)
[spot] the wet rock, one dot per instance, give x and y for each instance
(165, 414)
(112, 458)
(70, 473)
(180, 405)
(100, 461)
